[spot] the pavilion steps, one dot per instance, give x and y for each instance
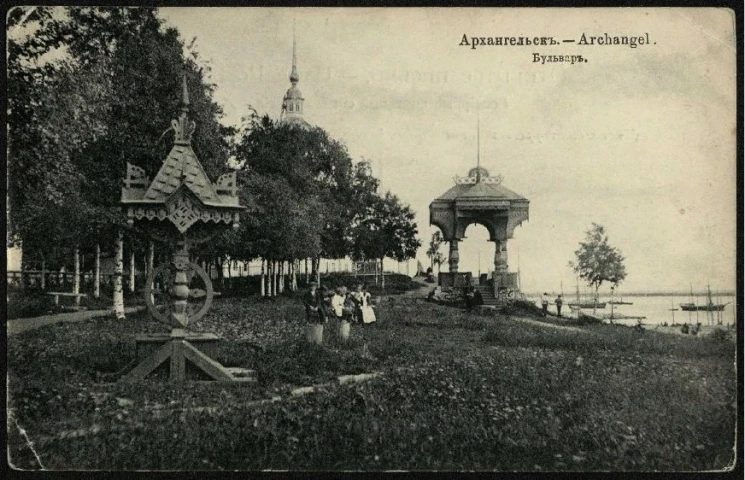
(487, 294)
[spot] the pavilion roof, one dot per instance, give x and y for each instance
(480, 190)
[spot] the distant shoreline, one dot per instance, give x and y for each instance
(652, 294)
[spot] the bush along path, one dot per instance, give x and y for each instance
(18, 325)
(457, 391)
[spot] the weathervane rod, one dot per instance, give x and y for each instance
(478, 146)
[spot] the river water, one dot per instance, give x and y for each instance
(656, 309)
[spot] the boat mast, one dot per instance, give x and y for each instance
(693, 303)
(672, 307)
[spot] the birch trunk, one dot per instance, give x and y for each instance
(150, 265)
(132, 271)
(275, 277)
(280, 277)
(269, 280)
(281, 286)
(118, 274)
(382, 275)
(272, 279)
(294, 277)
(263, 279)
(43, 275)
(97, 273)
(76, 273)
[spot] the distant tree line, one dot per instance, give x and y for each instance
(90, 89)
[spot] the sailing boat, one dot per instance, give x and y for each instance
(710, 306)
(620, 302)
(580, 304)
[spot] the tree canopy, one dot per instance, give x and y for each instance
(436, 257)
(597, 261)
(312, 200)
(90, 89)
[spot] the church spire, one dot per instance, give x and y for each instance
(292, 103)
(294, 77)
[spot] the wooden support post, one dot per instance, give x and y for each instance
(149, 364)
(178, 361)
(180, 288)
(454, 256)
(205, 363)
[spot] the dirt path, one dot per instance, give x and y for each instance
(421, 292)
(549, 325)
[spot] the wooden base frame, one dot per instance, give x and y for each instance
(178, 350)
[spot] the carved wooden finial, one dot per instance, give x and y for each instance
(183, 127)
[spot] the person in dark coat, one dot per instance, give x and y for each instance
(314, 311)
(468, 294)
(559, 302)
(478, 299)
(358, 299)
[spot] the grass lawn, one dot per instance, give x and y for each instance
(458, 391)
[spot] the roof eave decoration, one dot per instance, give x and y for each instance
(478, 175)
(181, 191)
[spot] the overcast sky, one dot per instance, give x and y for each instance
(640, 140)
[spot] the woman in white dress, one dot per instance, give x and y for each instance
(368, 314)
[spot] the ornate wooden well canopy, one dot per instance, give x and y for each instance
(181, 192)
(182, 206)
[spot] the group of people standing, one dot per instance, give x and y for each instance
(544, 304)
(347, 307)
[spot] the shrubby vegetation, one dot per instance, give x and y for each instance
(30, 304)
(459, 391)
